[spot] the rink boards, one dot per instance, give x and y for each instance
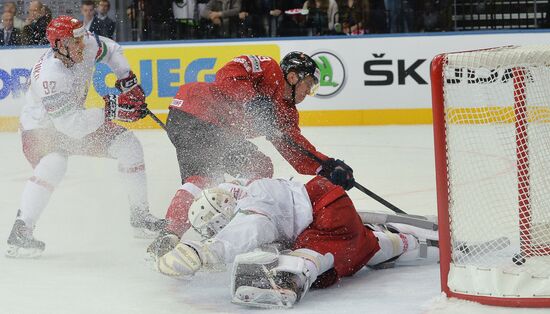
(371, 80)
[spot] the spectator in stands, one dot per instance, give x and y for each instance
(87, 9)
(273, 19)
(105, 25)
(445, 8)
(9, 35)
(187, 15)
(293, 20)
(10, 7)
(430, 17)
(354, 16)
(222, 17)
(436, 16)
(159, 23)
(47, 13)
(259, 18)
(394, 9)
(34, 32)
(377, 17)
(322, 15)
(250, 19)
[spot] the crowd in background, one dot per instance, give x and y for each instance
(15, 30)
(196, 19)
(138, 20)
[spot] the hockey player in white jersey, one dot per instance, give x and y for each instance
(55, 125)
(316, 221)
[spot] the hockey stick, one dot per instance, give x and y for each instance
(156, 119)
(381, 219)
(361, 188)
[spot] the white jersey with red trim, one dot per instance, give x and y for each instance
(268, 210)
(57, 93)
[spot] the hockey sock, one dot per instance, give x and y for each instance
(178, 210)
(38, 189)
(127, 149)
(135, 182)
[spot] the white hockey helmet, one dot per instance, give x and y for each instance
(211, 211)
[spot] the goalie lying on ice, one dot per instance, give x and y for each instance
(316, 226)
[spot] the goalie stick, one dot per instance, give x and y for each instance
(380, 218)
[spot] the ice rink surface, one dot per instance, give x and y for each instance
(92, 263)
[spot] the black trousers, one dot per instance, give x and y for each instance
(207, 150)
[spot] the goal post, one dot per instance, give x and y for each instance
(491, 111)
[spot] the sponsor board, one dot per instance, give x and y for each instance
(333, 73)
(160, 70)
(364, 79)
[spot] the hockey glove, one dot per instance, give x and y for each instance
(338, 172)
(126, 107)
(260, 112)
(126, 84)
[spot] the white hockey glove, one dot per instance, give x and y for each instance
(186, 259)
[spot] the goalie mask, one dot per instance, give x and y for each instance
(211, 211)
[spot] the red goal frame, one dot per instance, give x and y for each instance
(442, 187)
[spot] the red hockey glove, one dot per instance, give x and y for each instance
(338, 172)
(126, 84)
(126, 107)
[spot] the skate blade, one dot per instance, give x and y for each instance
(142, 233)
(14, 251)
(264, 298)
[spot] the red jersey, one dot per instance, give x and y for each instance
(238, 82)
(336, 229)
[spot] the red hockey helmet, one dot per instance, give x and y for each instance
(63, 27)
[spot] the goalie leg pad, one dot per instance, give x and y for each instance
(427, 250)
(252, 283)
(419, 233)
(270, 280)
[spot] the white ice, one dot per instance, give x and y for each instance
(92, 264)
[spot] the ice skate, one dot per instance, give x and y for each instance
(146, 226)
(22, 244)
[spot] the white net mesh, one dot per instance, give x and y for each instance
(497, 115)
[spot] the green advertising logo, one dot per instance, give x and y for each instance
(333, 73)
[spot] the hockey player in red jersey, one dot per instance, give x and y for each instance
(316, 221)
(209, 124)
(55, 125)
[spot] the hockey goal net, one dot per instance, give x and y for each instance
(492, 140)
